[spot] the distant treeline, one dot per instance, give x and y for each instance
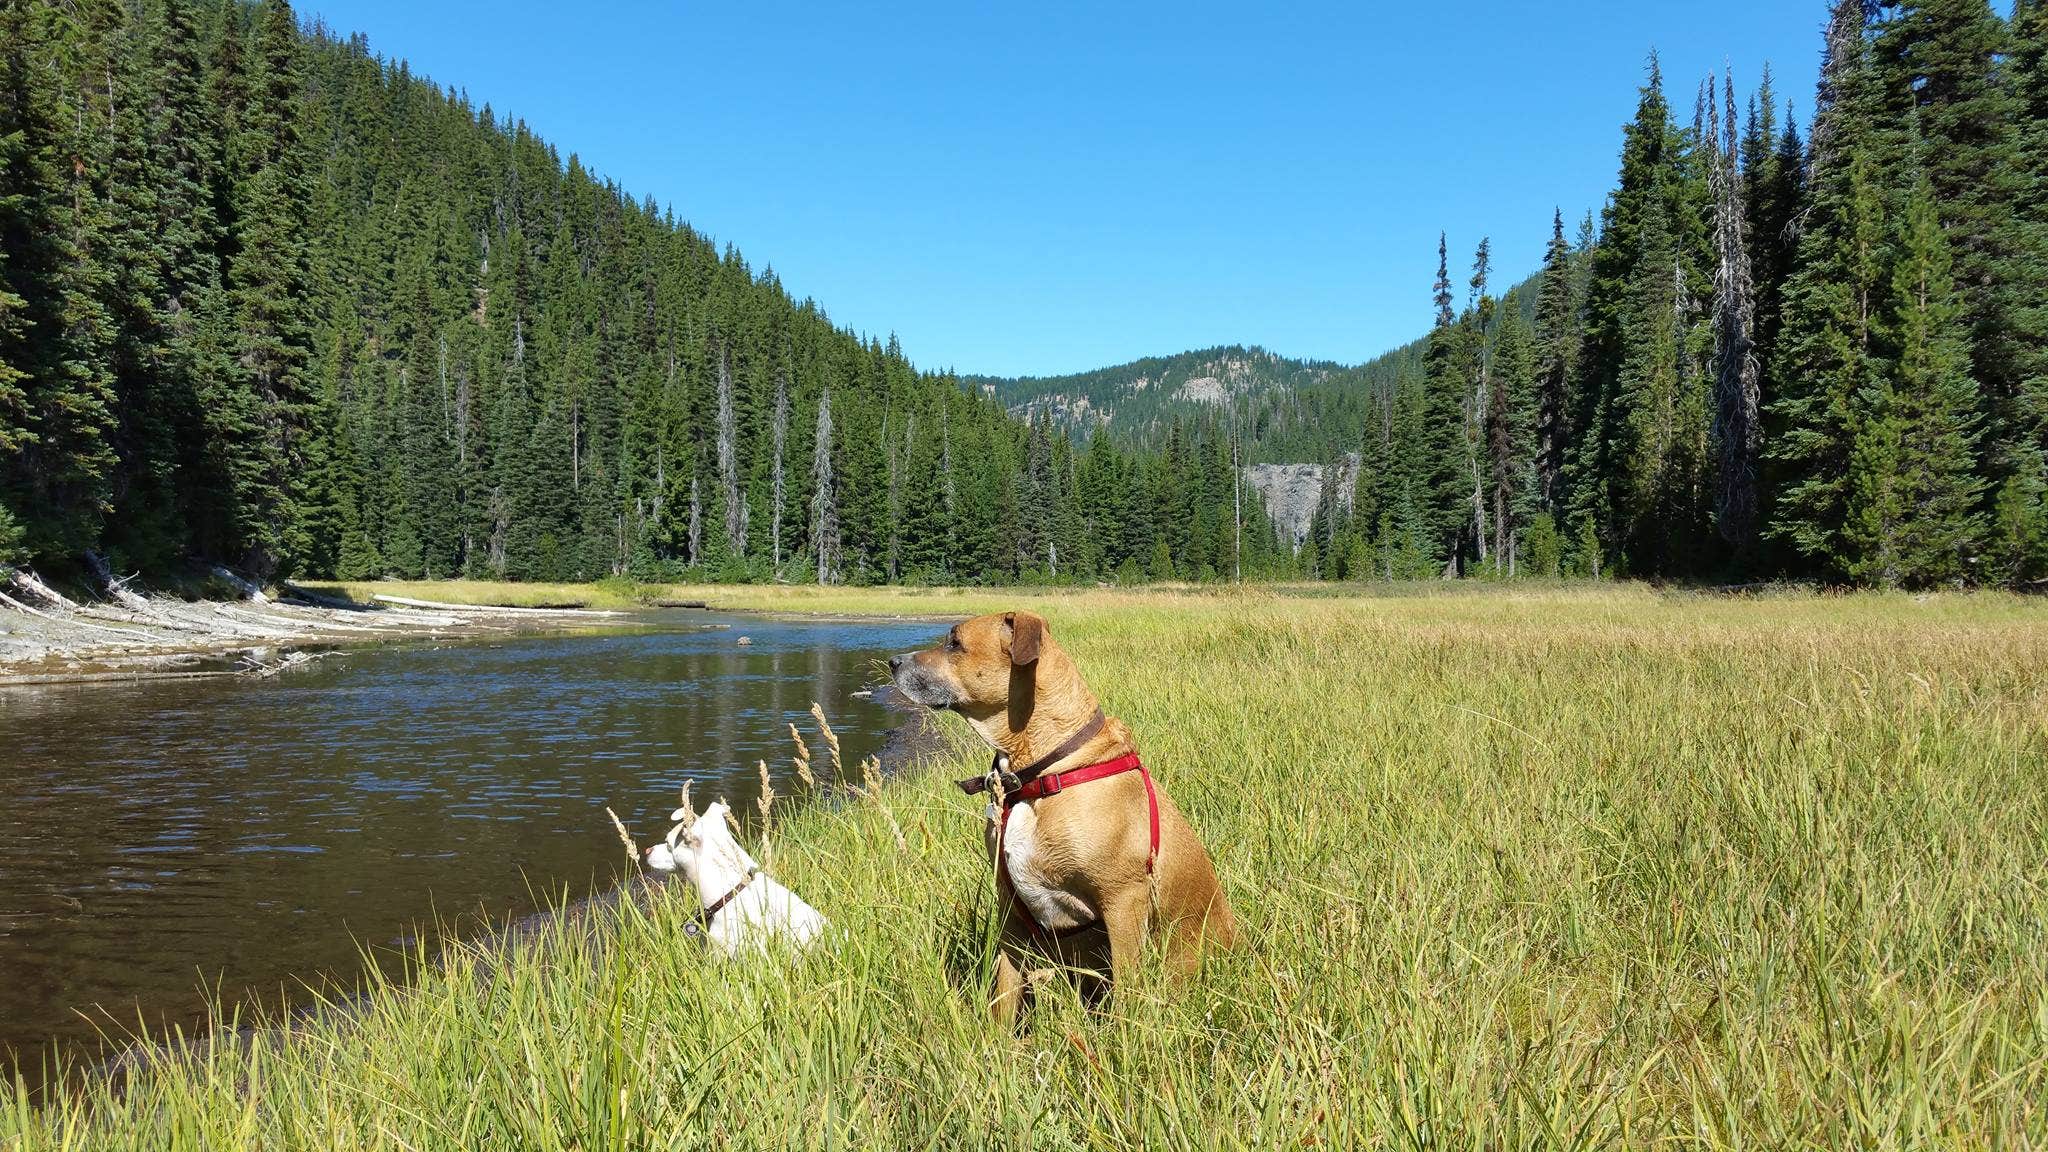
(1823, 358)
(266, 299)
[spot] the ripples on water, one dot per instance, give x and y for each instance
(251, 834)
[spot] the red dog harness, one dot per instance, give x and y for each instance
(1040, 785)
(1034, 784)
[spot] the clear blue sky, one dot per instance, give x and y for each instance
(1046, 187)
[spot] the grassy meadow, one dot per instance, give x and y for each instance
(1561, 868)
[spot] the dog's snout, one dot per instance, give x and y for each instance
(896, 661)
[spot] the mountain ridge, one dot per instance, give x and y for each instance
(1294, 409)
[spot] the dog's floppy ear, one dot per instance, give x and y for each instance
(1027, 636)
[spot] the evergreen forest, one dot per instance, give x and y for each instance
(1818, 355)
(271, 301)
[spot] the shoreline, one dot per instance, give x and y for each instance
(1594, 817)
(918, 740)
(48, 638)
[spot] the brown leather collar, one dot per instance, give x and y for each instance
(718, 905)
(1011, 781)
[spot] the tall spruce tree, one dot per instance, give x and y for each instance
(1629, 362)
(1828, 352)
(428, 513)
(1511, 422)
(1444, 478)
(56, 418)
(1738, 434)
(1950, 64)
(269, 278)
(2017, 552)
(1914, 515)
(1557, 345)
(1773, 183)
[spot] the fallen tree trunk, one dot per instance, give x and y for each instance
(310, 597)
(71, 622)
(241, 623)
(249, 589)
(116, 589)
(437, 605)
(145, 619)
(305, 625)
(27, 582)
(393, 618)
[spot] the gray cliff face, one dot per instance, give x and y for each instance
(1294, 492)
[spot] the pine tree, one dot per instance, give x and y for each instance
(1629, 362)
(1773, 182)
(269, 282)
(2018, 550)
(1738, 434)
(1557, 345)
(1444, 477)
(54, 344)
(1938, 64)
(427, 507)
(780, 447)
(1912, 515)
(1827, 353)
(824, 517)
(728, 462)
(1480, 322)
(1511, 421)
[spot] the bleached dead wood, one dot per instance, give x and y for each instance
(18, 606)
(116, 589)
(305, 624)
(248, 589)
(422, 618)
(241, 622)
(150, 619)
(408, 602)
(29, 583)
(328, 602)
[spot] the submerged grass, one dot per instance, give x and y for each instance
(1551, 869)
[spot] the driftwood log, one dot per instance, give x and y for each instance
(248, 588)
(27, 582)
(408, 602)
(117, 589)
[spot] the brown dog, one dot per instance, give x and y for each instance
(1090, 854)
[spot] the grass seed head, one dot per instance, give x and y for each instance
(831, 738)
(767, 800)
(626, 838)
(803, 759)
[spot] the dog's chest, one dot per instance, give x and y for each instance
(1035, 875)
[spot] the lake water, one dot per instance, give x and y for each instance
(160, 838)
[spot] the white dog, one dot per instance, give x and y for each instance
(742, 906)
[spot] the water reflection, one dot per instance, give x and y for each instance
(253, 833)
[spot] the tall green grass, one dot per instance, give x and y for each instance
(1557, 869)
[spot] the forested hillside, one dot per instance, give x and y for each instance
(1139, 400)
(1282, 409)
(1823, 357)
(267, 299)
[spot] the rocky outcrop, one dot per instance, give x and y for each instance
(1293, 493)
